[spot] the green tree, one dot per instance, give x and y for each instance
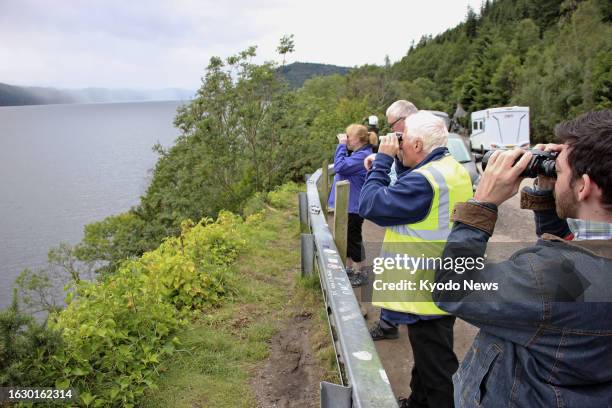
(505, 80)
(471, 23)
(601, 81)
(526, 35)
(286, 46)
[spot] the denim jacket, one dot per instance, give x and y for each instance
(545, 336)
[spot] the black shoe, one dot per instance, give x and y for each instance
(358, 279)
(408, 403)
(403, 403)
(378, 333)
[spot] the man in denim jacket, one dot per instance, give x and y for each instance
(545, 336)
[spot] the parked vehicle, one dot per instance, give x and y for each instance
(458, 149)
(500, 128)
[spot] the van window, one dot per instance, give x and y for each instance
(481, 124)
(474, 125)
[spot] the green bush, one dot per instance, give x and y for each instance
(26, 347)
(192, 268)
(277, 197)
(114, 336)
(116, 332)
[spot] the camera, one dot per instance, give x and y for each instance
(541, 164)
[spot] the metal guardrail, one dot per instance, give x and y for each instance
(364, 381)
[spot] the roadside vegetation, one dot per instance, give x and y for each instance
(186, 323)
(223, 349)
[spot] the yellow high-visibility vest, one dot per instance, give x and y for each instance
(424, 240)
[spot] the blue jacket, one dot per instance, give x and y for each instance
(406, 202)
(545, 336)
(351, 168)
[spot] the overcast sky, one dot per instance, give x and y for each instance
(156, 44)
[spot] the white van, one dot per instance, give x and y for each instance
(500, 128)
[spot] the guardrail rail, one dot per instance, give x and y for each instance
(364, 381)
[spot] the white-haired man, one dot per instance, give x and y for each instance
(416, 211)
(396, 114)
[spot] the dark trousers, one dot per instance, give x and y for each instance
(435, 362)
(354, 247)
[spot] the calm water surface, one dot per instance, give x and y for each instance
(64, 166)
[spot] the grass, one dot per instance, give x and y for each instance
(222, 348)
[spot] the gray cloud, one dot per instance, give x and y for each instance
(167, 43)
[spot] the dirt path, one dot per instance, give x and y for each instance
(290, 376)
(301, 352)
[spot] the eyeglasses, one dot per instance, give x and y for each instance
(393, 124)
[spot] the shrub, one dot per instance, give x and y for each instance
(25, 349)
(116, 331)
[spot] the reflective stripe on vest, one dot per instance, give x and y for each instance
(451, 184)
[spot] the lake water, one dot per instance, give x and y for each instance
(64, 166)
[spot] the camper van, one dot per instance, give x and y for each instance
(500, 128)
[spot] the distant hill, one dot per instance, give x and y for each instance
(298, 72)
(11, 95)
(16, 95)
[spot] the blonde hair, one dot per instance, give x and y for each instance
(362, 133)
(427, 127)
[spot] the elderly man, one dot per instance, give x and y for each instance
(545, 335)
(416, 211)
(397, 112)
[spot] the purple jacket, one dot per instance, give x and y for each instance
(350, 167)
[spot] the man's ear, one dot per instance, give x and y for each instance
(418, 144)
(585, 187)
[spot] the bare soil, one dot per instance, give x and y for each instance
(291, 375)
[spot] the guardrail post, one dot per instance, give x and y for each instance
(303, 206)
(307, 254)
(324, 186)
(341, 217)
(335, 396)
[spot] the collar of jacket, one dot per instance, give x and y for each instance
(597, 247)
(365, 146)
(435, 154)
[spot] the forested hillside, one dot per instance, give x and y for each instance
(298, 72)
(554, 56)
(18, 95)
(11, 95)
